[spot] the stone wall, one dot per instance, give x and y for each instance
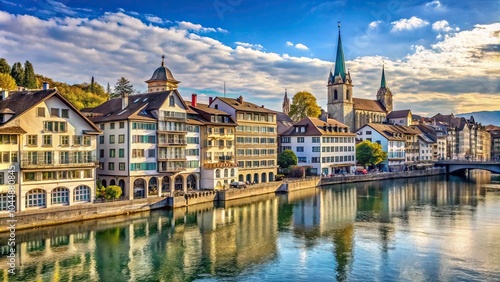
(250, 191)
(379, 176)
(57, 215)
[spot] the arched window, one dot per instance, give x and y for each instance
(217, 173)
(5, 202)
(335, 94)
(226, 173)
(82, 194)
(232, 172)
(35, 198)
(60, 196)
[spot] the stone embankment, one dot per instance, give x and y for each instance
(380, 176)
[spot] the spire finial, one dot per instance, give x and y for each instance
(162, 60)
(338, 24)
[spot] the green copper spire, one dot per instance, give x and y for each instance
(382, 81)
(339, 61)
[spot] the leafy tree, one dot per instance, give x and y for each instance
(29, 80)
(7, 82)
(368, 153)
(122, 87)
(113, 192)
(304, 105)
(287, 158)
(4, 66)
(17, 72)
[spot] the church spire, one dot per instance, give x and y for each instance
(339, 61)
(286, 104)
(382, 80)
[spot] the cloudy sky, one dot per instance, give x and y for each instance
(439, 55)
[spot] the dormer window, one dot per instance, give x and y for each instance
(172, 101)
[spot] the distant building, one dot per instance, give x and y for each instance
(495, 142)
(286, 104)
(326, 146)
(49, 146)
(401, 117)
(355, 112)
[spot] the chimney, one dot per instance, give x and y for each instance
(4, 95)
(45, 85)
(262, 106)
(193, 100)
(124, 101)
(210, 100)
(240, 99)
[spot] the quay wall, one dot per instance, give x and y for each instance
(380, 176)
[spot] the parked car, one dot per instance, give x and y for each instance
(238, 184)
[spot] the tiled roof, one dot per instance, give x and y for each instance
(205, 108)
(19, 102)
(393, 132)
(12, 129)
(245, 106)
(398, 114)
(368, 105)
(204, 114)
(315, 127)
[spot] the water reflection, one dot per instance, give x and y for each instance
(408, 229)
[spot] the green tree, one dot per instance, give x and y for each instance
(113, 192)
(304, 105)
(7, 82)
(17, 72)
(368, 153)
(287, 158)
(29, 76)
(122, 87)
(4, 66)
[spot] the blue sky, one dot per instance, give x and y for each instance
(440, 56)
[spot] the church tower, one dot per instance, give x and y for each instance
(162, 79)
(286, 104)
(384, 94)
(340, 93)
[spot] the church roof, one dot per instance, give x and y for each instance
(162, 74)
(368, 105)
(398, 114)
(340, 61)
(383, 84)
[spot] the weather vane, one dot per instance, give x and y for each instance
(162, 60)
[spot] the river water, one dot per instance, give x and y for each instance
(417, 229)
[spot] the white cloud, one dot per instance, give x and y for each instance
(299, 46)
(249, 45)
(408, 24)
(442, 25)
(435, 4)
(457, 74)
(155, 19)
(374, 24)
(198, 27)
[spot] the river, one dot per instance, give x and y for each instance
(416, 229)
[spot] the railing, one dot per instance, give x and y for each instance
(174, 115)
(171, 156)
(225, 158)
(171, 168)
(172, 128)
(172, 141)
(70, 162)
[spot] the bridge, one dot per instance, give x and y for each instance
(457, 166)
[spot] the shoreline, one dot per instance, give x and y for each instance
(33, 219)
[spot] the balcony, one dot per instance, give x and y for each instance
(171, 166)
(180, 129)
(171, 157)
(225, 158)
(174, 116)
(61, 163)
(169, 142)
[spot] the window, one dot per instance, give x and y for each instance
(121, 138)
(315, 139)
(137, 153)
(151, 153)
(101, 139)
(54, 126)
(302, 159)
(47, 140)
(6, 200)
(65, 113)
(87, 141)
(121, 124)
(77, 140)
(171, 101)
(111, 166)
(111, 139)
(32, 140)
(112, 153)
(368, 132)
(2, 181)
(40, 112)
(315, 149)
(300, 139)
(102, 126)
(82, 194)
(112, 125)
(35, 198)
(121, 166)
(54, 112)
(64, 141)
(101, 153)
(60, 196)
(121, 153)
(300, 149)
(315, 160)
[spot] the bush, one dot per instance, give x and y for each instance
(298, 172)
(113, 192)
(279, 177)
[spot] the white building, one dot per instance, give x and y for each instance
(391, 140)
(325, 146)
(51, 147)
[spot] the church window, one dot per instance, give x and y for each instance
(348, 95)
(335, 95)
